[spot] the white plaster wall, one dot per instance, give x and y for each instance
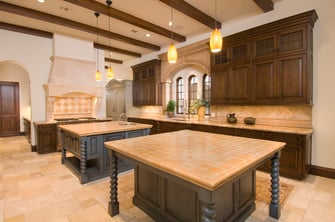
(73, 48)
(33, 54)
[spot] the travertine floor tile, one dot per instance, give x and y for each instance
(38, 188)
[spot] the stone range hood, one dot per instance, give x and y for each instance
(71, 91)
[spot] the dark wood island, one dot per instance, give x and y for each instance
(195, 176)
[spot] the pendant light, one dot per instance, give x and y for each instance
(172, 51)
(110, 72)
(97, 73)
(215, 41)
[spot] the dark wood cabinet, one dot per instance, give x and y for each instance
(46, 137)
(164, 126)
(27, 129)
(152, 122)
(277, 69)
(147, 83)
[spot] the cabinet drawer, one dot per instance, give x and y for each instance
(256, 134)
(285, 137)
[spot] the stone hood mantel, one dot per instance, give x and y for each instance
(71, 90)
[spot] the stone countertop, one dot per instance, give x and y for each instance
(74, 120)
(211, 122)
(205, 159)
(97, 128)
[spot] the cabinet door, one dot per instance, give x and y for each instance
(264, 84)
(292, 40)
(231, 85)
(238, 84)
(292, 80)
(137, 93)
(219, 83)
(289, 41)
(265, 46)
(46, 138)
(239, 53)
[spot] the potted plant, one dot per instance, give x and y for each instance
(199, 107)
(170, 108)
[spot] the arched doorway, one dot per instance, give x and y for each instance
(14, 98)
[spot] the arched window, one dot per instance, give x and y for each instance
(180, 95)
(192, 89)
(206, 91)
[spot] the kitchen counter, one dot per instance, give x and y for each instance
(207, 166)
(221, 123)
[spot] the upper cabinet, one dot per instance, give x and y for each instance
(147, 83)
(269, 64)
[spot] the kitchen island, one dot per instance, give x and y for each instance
(195, 176)
(89, 159)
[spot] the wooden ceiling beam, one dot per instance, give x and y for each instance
(25, 30)
(72, 24)
(122, 16)
(189, 10)
(113, 60)
(116, 50)
(265, 5)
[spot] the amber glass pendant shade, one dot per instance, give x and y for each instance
(215, 41)
(97, 76)
(110, 73)
(172, 54)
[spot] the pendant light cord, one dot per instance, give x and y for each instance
(171, 25)
(97, 15)
(215, 4)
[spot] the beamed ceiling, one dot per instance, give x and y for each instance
(130, 21)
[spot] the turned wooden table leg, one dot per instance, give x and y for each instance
(275, 209)
(83, 155)
(207, 212)
(113, 207)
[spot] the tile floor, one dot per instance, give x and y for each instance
(37, 188)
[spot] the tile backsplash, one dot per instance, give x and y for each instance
(295, 116)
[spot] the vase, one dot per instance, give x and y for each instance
(201, 113)
(170, 114)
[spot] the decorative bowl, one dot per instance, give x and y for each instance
(249, 120)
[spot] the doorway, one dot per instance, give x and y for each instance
(9, 109)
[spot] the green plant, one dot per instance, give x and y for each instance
(197, 103)
(171, 106)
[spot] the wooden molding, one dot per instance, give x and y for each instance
(322, 171)
(113, 49)
(265, 5)
(189, 10)
(122, 16)
(113, 61)
(25, 30)
(72, 24)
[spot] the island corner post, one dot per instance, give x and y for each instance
(274, 207)
(207, 206)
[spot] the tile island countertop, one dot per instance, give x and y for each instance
(218, 158)
(97, 128)
(222, 123)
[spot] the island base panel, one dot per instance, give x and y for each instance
(172, 199)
